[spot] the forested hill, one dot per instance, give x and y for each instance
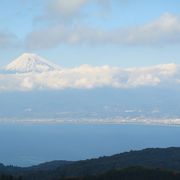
(152, 158)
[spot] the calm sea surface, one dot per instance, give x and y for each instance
(25, 144)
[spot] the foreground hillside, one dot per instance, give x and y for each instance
(154, 158)
(132, 173)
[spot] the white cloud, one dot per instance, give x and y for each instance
(46, 38)
(60, 10)
(87, 77)
(166, 30)
(163, 31)
(66, 8)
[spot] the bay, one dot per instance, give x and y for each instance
(31, 144)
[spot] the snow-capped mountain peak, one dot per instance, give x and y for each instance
(31, 63)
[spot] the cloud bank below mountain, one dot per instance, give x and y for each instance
(89, 77)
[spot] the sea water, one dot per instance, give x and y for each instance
(31, 144)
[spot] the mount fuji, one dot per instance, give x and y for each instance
(30, 63)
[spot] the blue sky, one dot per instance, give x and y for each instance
(114, 32)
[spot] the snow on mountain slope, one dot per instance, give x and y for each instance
(30, 63)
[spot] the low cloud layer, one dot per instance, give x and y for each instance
(88, 77)
(163, 31)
